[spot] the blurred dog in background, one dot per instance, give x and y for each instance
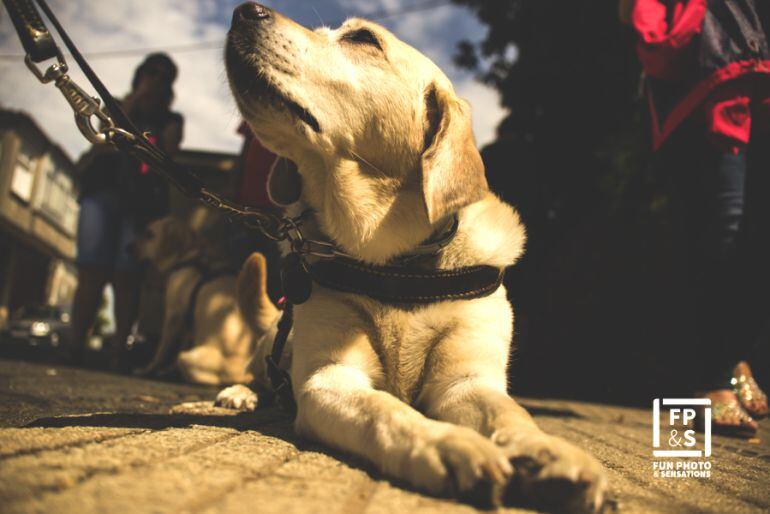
(203, 334)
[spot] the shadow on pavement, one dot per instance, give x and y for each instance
(241, 421)
(273, 422)
(550, 412)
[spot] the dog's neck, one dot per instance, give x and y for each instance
(174, 263)
(370, 216)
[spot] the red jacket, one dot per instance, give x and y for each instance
(705, 57)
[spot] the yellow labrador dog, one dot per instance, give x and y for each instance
(385, 154)
(200, 307)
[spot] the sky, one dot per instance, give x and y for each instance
(202, 94)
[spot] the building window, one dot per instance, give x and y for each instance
(57, 197)
(23, 177)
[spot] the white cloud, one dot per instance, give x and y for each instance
(202, 95)
(485, 105)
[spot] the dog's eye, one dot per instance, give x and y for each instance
(362, 36)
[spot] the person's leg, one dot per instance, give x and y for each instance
(720, 267)
(757, 273)
(127, 285)
(94, 257)
(88, 299)
(758, 228)
(716, 190)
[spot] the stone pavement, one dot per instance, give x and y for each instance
(77, 441)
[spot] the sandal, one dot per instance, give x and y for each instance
(728, 417)
(753, 399)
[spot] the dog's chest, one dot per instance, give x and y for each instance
(404, 342)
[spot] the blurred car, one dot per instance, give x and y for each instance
(37, 325)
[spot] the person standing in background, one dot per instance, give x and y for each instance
(707, 80)
(119, 196)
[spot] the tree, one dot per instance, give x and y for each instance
(567, 72)
(572, 156)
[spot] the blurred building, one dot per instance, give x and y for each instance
(38, 217)
(39, 210)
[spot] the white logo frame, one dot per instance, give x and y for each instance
(656, 403)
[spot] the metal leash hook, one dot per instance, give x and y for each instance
(84, 106)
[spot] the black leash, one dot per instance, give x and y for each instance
(279, 377)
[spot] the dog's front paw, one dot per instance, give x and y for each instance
(459, 462)
(551, 473)
(237, 397)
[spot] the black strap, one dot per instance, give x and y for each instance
(395, 284)
(279, 377)
(34, 36)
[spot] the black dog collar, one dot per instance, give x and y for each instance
(402, 284)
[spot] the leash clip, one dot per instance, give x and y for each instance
(84, 105)
(53, 72)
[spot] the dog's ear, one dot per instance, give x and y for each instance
(284, 183)
(452, 169)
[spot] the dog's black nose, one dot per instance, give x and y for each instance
(251, 12)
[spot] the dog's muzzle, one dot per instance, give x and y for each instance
(246, 67)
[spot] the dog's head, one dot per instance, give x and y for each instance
(353, 107)
(163, 243)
